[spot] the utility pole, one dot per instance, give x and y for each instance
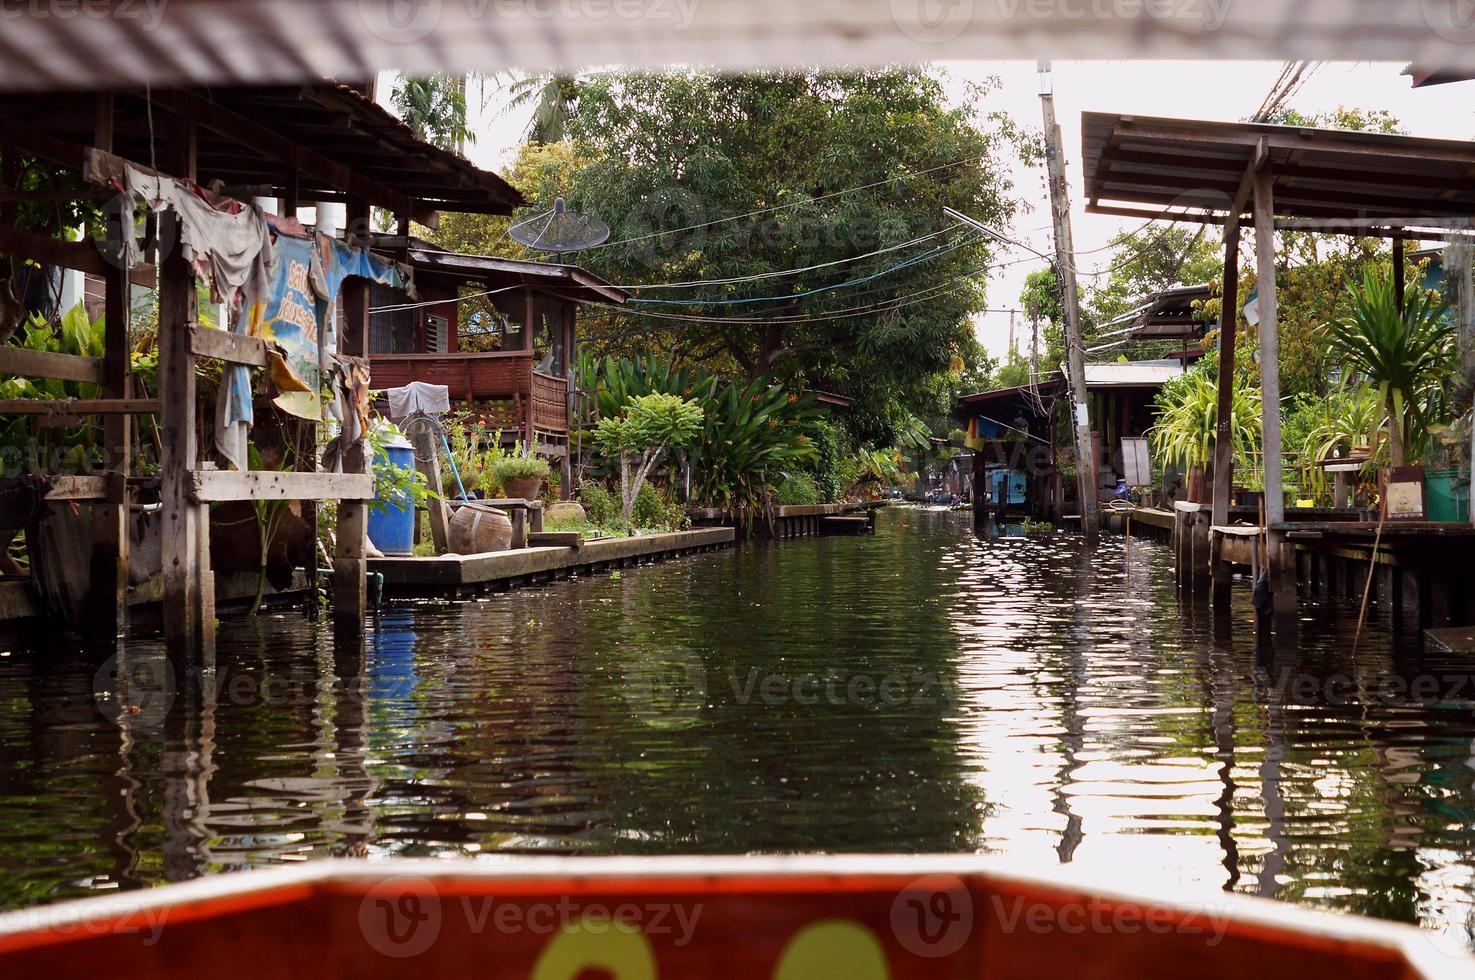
(1070, 306)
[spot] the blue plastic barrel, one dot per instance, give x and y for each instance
(392, 522)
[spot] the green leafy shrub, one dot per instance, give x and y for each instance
(1405, 347)
(639, 436)
(798, 489)
(510, 468)
(600, 505)
(654, 510)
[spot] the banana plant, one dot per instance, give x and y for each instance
(1404, 347)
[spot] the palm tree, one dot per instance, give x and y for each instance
(434, 106)
(1403, 346)
(554, 97)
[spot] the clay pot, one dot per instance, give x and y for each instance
(477, 529)
(526, 488)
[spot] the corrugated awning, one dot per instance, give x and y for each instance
(57, 44)
(1165, 315)
(567, 280)
(1332, 179)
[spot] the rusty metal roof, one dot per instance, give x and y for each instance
(572, 281)
(324, 141)
(1325, 174)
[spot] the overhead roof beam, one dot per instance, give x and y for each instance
(308, 162)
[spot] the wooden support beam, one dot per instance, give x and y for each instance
(1278, 557)
(225, 345)
(77, 487)
(299, 159)
(189, 600)
(20, 362)
(211, 486)
(350, 564)
(427, 461)
(107, 614)
(1399, 272)
(1228, 327)
(80, 406)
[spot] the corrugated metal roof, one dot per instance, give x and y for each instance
(1132, 374)
(213, 42)
(1194, 166)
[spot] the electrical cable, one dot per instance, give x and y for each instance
(789, 272)
(915, 260)
(791, 204)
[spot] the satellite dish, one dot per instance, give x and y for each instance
(559, 231)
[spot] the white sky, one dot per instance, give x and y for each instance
(1203, 90)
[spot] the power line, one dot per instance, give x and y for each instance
(791, 204)
(790, 272)
(915, 260)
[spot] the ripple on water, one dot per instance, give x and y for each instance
(924, 689)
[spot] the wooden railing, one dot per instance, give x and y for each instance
(501, 382)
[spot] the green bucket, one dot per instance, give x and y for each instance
(1447, 495)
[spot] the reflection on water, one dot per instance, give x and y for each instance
(924, 689)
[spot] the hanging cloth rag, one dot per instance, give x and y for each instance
(226, 243)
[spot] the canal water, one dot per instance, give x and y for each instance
(924, 689)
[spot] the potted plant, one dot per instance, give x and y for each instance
(1404, 347)
(521, 476)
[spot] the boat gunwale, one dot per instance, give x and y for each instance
(1424, 953)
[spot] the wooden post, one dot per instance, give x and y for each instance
(1086, 476)
(1223, 440)
(1399, 272)
(107, 614)
(350, 564)
(189, 587)
(1282, 577)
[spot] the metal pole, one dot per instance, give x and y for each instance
(1086, 478)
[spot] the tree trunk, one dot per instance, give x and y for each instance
(1395, 436)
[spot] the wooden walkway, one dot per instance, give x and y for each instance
(457, 575)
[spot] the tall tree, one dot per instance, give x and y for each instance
(835, 166)
(434, 106)
(553, 98)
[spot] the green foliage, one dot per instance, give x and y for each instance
(1405, 348)
(475, 450)
(78, 449)
(654, 510)
(682, 148)
(1319, 428)
(650, 422)
(601, 506)
(753, 433)
(797, 488)
(434, 107)
(518, 467)
(1188, 414)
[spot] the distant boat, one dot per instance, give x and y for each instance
(857, 918)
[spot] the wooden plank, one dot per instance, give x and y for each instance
(555, 539)
(224, 345)
(77, 487)
(82, 256)
(79, 406)
(212, 486)
(49, 364)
